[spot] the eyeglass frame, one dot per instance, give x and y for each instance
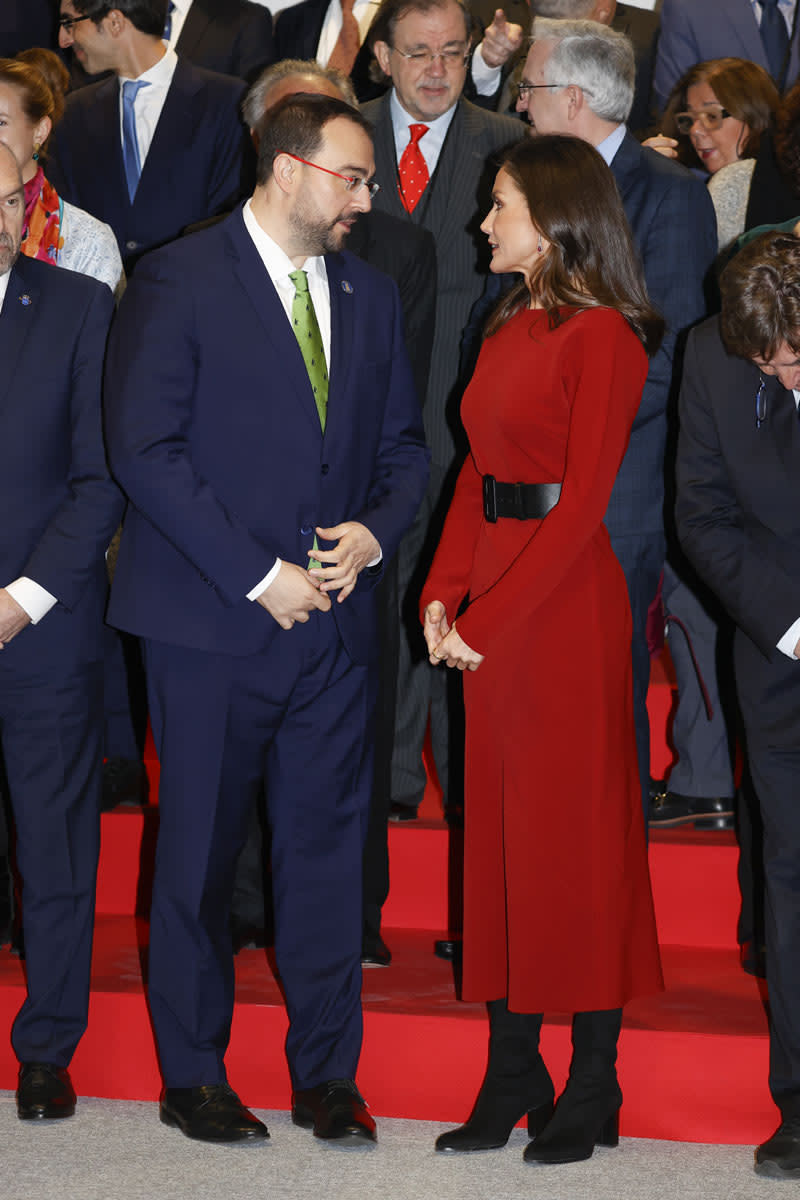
(451, 59)
(702, 116)
(523, 88)
(352, 182)
(66, 23)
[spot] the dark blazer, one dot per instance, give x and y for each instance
(193, 168)
(59, 505)
(233, 37)
(738, 501)
(214, 434)
(26, 23)
(695, 30)
(297, 33)
(455, 202)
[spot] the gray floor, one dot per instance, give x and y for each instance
(115, 1150)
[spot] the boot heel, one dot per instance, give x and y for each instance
(538, 1118)
(609, 1133)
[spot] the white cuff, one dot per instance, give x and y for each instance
(485, 78)
(31, 596)
(266, 581)
(790, 639)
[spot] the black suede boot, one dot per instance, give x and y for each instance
(587, 1113)
(516, 1082)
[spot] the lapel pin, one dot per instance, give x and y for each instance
(347, 287)
(25, 299)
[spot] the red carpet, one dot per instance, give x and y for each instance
(693, 1062)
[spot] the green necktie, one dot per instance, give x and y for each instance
(309, 339)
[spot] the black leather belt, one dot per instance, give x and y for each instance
(525, 501)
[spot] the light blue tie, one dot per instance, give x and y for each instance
(168, 23)
(130, 144)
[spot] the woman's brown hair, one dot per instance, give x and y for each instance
(742, 87)
(41, 79)
(573, 202)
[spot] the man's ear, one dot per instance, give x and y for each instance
(382, 51)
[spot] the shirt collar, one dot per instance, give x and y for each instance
(402, 119)
(4, 286)
(274, 258)
(611, 144)
(182, 6)
(161, 73)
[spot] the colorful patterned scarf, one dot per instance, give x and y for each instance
(41, 234)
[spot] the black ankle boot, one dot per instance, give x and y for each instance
(516, 1082)
(587, 1113)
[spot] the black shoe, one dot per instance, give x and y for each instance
(211, 1113)
(124, 782)
(576, 1128)
(669, 809)
(401, 812)
(247, 937)
(779, 1157)
(495, 1115)
(374, 951)
(44, 1092)
(335, 1111)
(447, 948)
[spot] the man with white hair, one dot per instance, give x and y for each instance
(578, 79)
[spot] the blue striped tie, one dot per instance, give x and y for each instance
(130, 143)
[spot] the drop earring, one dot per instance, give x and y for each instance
(540, 247)
(36, 146)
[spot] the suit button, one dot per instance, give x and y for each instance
(325, 468)
(306, 529)
(131, 245)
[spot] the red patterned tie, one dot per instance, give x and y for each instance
(413, 170)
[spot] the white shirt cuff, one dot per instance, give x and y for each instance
(485, 78)
(790, 639)
(266, 581)
(31, 596)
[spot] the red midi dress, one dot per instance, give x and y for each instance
(558, 911)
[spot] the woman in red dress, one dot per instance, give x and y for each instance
(558, 913)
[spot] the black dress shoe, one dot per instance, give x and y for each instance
(44, 1092)
(124, 782)
(335, 1111)
(448, 949)
(401, 812)
(669, 809)
(779, 1157)
(247, 937)
(211, 1113)
(374, 951)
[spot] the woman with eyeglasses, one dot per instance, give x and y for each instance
(32, 87)
(527, 598)
(718, 112)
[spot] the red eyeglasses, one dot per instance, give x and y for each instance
(351, 182)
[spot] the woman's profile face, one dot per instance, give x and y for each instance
(17, 131)
(515, 243)
(714, 147)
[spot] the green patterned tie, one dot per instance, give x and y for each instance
(309, 339)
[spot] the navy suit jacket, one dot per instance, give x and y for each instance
(738, 500)
(192, 171)
(59, 505)
(233, 37)
(675, 230)
(695, 30)
(214, 434)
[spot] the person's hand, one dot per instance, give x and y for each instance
(455, 652)
(292, 596)
(355, 548)
(435, 627)
(662, 145)
(13, 617)
(502, 39)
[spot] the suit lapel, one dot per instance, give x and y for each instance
(386, 160)
(16, 323)
(344, 301)
(175, 128)
(104, 145)
(194, 27)
(258, 287)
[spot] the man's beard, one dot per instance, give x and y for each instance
(9, 252)
(316, 236)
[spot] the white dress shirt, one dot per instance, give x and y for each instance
(611, 144)
(430, 143)
(29, 595)
(278, 265)
(149, 100)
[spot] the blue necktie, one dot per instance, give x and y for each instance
(775, 38)
(130, 144)
(168, 23)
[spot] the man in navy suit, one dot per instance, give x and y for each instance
(738, 515)
(578, 79)
(230, 36)
(695, 30)
(261, 416)
(60, 509)
(157, 146)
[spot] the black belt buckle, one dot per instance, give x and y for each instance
(490, 499)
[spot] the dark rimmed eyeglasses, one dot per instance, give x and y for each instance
(352, 183)
(709, 119)
(66, 23)
(524, 88)
(451, 59)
